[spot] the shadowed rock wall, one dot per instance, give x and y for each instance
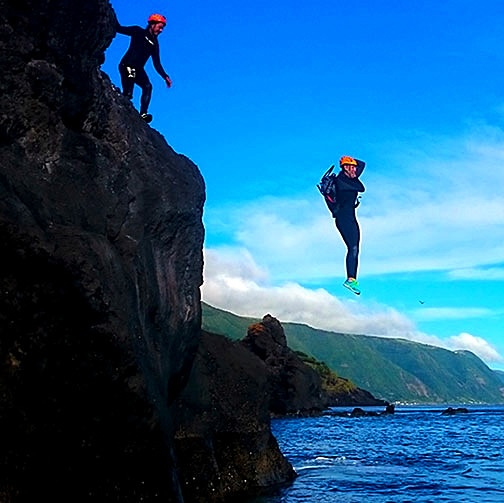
(224, 440)
(101, 242)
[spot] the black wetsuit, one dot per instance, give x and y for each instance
(143, 45)
(347, 190)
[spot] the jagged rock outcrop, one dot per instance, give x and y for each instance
(101, 240)
(354, 396)
(224, 441)
(359, 412)
(450, 411)
(294, 387)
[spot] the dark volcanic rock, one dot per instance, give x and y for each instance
(356, 396)
(295, 388)
(101, 241)
(359, 412)
(224, 441)
(450, 411)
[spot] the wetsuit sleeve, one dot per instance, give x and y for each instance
(156, 61)
(360, 167)
(126, 30)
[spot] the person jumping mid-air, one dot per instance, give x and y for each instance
(144, 44)
(342, 200)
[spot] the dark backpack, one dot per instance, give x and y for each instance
(327, 188)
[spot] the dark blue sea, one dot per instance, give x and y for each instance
(416, 455)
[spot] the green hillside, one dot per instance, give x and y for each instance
(392, 369)
(500, 373)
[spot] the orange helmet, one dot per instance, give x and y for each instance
(346, 159)
(156, 18)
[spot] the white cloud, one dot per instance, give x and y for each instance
(233, 262)
(246, 296)
(477, 345)
(234, 282)
(250, 295)
(464, 342)
(297, 239)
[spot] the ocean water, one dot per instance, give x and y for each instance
(416, 455)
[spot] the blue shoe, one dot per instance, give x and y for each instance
(352, 285)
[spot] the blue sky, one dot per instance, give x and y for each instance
(267, 95)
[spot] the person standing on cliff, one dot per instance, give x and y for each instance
(144, 44)
(347, 187)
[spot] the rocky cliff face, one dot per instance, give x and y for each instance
(224, 441)
(294, 388)
(101, 243)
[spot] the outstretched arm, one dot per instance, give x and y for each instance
(125, 30)
(156, 61)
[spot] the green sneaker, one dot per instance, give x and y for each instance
(352, 285)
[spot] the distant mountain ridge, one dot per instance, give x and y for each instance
(500, 373)
(391, 369)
